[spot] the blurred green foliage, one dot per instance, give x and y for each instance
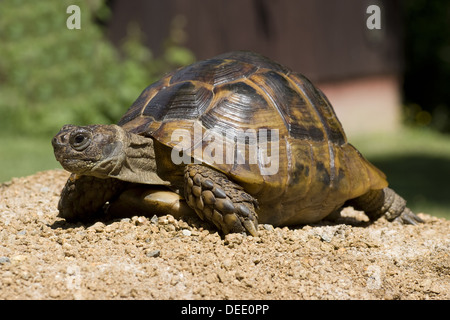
(50, 75)
(427, 63)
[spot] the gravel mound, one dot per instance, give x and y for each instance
(43, 257)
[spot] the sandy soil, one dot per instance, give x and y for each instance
(43, 257)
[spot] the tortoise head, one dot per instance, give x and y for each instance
(92, 150)
(107, 151)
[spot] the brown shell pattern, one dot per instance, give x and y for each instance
(244, 91)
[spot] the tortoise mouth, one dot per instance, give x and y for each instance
(76, 165)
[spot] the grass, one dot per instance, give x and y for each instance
(22, 156)
(416, 162)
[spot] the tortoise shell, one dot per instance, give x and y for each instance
(317, 170)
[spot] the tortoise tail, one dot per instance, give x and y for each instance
(387, 202)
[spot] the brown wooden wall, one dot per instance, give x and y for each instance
(324, 39)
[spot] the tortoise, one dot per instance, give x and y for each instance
(199, 140)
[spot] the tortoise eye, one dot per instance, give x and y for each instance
(80, 140)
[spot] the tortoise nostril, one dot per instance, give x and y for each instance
(59, 139)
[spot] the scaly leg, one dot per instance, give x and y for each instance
(83, 197)
(216, 198)
(387, 202)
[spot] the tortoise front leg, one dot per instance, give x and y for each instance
(216, 198)
(387, 202)
(83, 197)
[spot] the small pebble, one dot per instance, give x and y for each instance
(154, 219)
(54, 293)
(19, 258)
(139, 221)
(4, 260)
(44, 189)
(325, 237)
(186, 232)
(97, 227)
(153, 253)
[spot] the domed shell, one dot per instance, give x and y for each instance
(267, 128)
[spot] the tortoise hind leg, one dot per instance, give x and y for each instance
(387, 202)
(83, 197)
(216, 198)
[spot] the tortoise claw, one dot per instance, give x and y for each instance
(408, 217)
(251, 227)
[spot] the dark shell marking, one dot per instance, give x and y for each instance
(234, 90)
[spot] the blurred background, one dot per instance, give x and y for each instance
(390, 86)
